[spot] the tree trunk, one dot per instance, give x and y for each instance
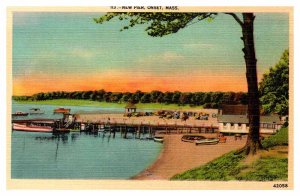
(253, 140)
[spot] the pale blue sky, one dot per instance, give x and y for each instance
(55, 43)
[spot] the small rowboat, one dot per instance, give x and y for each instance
(192, 138)
(20, 114)
(32, 128)
(62, 110)
(158, 139)
(207, 141)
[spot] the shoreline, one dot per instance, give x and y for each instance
(90, 103)
(177, 156)
(152, 166)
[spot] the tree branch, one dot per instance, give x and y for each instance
(236, 18)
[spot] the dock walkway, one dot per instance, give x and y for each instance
(151, 122)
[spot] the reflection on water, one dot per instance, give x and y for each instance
(79, 155)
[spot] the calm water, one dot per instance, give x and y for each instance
(77, 155)
(48, 109)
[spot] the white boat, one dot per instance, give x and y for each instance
(158, 139)
(32, 128)
(207, 141)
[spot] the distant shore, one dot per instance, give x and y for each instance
(79, 102)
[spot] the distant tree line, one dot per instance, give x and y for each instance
(207, 99)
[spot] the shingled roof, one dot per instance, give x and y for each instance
(130, 105)
(270, 119)
(233, 119)
(234, 109)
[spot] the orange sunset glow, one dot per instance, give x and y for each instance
(126, 82)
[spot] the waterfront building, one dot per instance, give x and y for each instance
(240, 124)
(130, 108)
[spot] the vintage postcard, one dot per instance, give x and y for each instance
(150, 97)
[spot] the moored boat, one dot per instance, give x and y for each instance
(32, 128)
(207, 141)
(36, 111)
(158, 139)
(62, 110)
(20, 114)
(192, 138)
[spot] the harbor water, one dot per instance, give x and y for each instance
(77, 155)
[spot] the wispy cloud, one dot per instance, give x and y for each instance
(170, 57)
(83, 53)
(74, 52)
(197, 46)
(163, 59)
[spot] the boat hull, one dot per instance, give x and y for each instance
(36, 111)
(32, 128)
(207, 142)
(61, 111)
(161, 140)
(24, 114)
(191, 138)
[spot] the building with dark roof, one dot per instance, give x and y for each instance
(239, 109)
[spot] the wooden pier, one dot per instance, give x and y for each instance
(141, 125)
(137, 126)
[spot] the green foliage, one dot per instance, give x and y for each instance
(208, 99)
(159, 24)
(281, 138)
(223, 168)
(146, 98)
(267, 169)
(274, 87)
(21, 98)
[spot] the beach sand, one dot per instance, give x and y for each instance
(177, 156)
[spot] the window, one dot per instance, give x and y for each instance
(269, 126)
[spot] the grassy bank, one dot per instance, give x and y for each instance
(266, 169)
(222, 168)
(279, 139)
(79, 102)
(266, 166)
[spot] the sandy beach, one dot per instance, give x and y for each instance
(177, 156)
